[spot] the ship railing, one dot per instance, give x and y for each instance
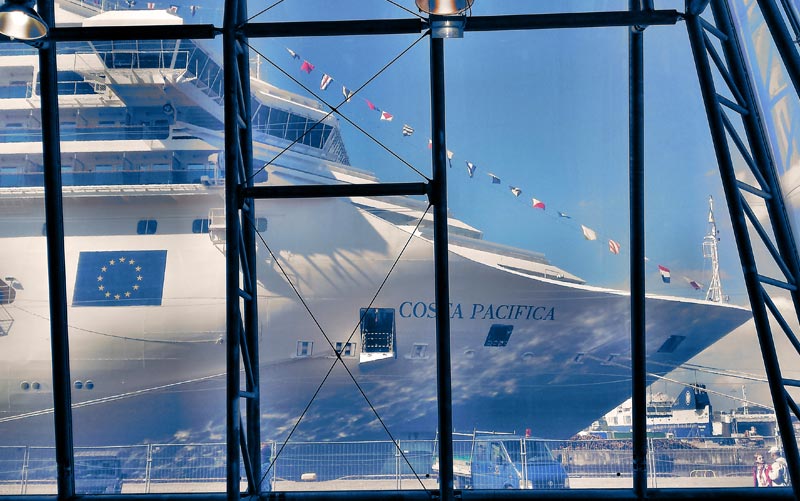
(6, 321)
(201, 467)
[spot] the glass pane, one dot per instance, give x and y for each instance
(345, 372)
(27, 459)
(145, 282)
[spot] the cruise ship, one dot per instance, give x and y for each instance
(534, 347)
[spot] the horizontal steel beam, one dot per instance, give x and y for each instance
(364, 27)
(474, 23)
(335, 190)
(572, 20)
(707, 494)
(106, 33)
(335, 28)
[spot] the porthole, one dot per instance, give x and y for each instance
(78, 385)
(24, 386)
(89, 384)
(36, 386)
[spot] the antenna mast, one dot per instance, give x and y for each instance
(714, 292)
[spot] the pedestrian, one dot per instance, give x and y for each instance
(761, 472)
(779, 470)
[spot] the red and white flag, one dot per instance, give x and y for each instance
(385, 115)
(326, 81)
(614, 246)
(665, 276)
(537, 204)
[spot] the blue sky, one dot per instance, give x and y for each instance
(546, 111)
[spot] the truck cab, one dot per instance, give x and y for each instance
(486, 460)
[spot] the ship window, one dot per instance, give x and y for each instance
(419, 351)
(377, 330)
(200, 226)
(671, 344)
(346, 349)
(610, 359)
(305, 348)
(498, 335)
(146, 227)
(261, 224)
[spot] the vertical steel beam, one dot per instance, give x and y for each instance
(441, 269)
(787, 48)
(248, 257)
(232, 244)
(57, 280)
(636, 187)
(776, 211)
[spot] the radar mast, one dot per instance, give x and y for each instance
(714, 292)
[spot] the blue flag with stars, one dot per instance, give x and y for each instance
(120, 278)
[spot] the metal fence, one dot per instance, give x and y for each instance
(375, 465)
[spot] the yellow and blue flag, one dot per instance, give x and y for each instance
(120, 278)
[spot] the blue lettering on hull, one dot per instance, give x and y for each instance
(479, 311)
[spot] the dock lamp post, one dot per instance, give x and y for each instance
(446, 19)
(19, 21)
(445, 16)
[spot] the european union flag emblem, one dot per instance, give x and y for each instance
(120, 278)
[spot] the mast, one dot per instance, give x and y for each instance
(714, 292)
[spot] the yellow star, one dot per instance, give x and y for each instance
(103, 269)
(100, 288)
(138, 268)
(116, 296)
(100, 278)
(108, 294)
(135, 287)
(139, 278)
(111, 262)
(127, 294)
(122, 259)
(131, 261)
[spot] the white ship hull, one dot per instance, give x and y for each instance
(161, 365)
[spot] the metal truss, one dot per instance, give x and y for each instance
(240, 255)
(754, 149)
(788, 46)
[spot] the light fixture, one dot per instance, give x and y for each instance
(444, 7)
(445, 16)
(18, 21)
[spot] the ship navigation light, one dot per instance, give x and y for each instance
(19, 21)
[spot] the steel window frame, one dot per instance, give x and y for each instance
(239, 200)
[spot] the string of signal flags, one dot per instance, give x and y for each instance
(614, 247)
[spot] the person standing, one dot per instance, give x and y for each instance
(761, 472)
(779, 470)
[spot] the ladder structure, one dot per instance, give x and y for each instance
(717, 43)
